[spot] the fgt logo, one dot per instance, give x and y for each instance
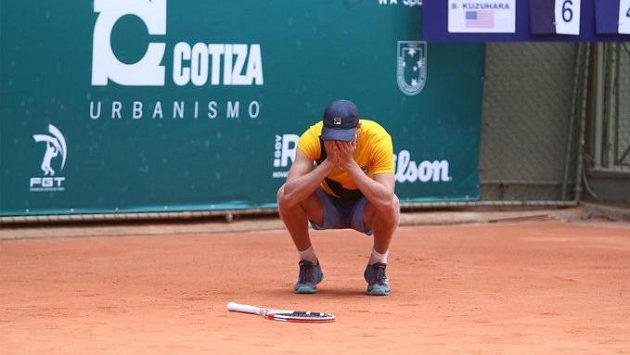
(55, 147)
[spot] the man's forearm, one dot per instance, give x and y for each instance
(375, 192)
(300, 187)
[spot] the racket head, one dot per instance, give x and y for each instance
(300, 316)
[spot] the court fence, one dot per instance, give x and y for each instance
(556, 116)
(607, 144)
(555, 125)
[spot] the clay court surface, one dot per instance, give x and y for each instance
(545, 287)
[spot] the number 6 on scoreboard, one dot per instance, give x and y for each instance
(624, 17)
(567, 16)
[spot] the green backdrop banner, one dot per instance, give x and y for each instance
(137, 105)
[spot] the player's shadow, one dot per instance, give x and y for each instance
(322, 291)
(341, 291)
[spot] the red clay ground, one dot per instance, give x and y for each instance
(544, 287)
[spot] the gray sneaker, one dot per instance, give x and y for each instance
(310, 275)
(377, 280)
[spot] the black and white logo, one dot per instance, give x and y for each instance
(199, 64)
(105, 65)
(284, 154)
(407, 170)
(408, 3)
(411, 71)
(54, 158)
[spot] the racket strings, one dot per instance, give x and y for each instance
(302, 314)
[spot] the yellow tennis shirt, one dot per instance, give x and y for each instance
(374, 154)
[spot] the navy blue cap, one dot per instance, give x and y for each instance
(341, 120)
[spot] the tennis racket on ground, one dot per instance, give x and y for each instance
(283, 315)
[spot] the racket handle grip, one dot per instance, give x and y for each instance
(236, 307)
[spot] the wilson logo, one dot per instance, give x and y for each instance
(408, 170)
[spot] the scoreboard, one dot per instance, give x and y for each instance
(526, 20)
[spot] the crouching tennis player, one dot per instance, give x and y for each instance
(342, 177)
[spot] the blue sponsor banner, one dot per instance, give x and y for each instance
(535, 20)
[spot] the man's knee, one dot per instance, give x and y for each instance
(396, 209)
(280, 193)
(282, 200)
(390, 215)
(285, 202)
(393, 212)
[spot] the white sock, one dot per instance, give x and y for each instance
(308, 255)
(377, 257)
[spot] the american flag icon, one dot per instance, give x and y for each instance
(479, 19)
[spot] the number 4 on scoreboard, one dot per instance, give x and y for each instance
(624, 17)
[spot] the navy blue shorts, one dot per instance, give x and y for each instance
(339, 214)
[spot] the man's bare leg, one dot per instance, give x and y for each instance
(296, 215)
(383, 225)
